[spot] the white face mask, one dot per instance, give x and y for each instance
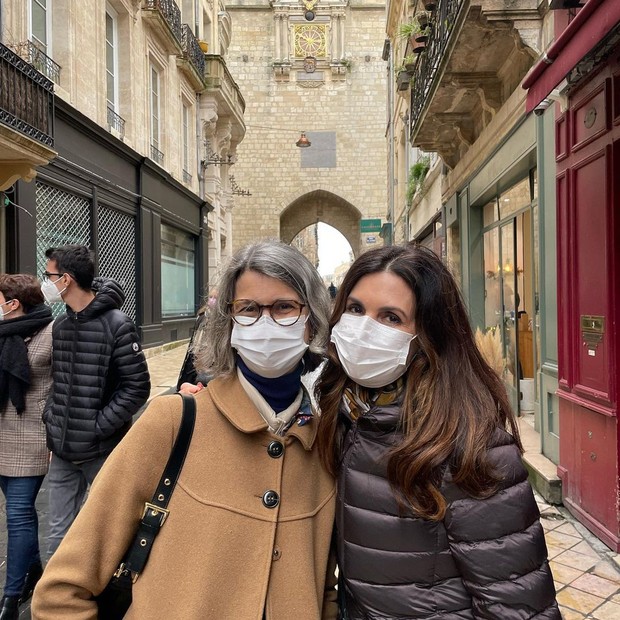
(50, 292)
(372, 354)
(3, 314)
(268, 349)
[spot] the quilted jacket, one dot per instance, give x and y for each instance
(100, 377)
(485, 559)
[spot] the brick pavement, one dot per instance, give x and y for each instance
(586, 572)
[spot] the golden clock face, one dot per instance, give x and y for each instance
(310, 40)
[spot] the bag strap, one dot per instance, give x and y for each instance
(155, 511)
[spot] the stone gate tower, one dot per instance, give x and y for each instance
(326, 77)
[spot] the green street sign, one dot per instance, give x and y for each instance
(370, 225)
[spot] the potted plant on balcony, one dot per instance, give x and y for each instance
(403, 78)
(409, 62)
(417, 31)
(417, 174)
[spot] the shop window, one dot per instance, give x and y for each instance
(515, 198)
(178, 266)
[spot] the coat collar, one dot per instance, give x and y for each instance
(232, 401)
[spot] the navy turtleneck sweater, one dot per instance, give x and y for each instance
(279, 392)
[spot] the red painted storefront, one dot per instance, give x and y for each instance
(588, 260)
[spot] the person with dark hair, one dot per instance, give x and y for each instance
(435, 515)
(100, 380)
(25, 378)
(249, 527)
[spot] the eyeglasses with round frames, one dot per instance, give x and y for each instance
(246, 312)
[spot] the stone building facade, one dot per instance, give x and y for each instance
(325, 77)
(485, 202)
(144, 113)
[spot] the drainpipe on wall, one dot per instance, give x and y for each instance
(388, 54)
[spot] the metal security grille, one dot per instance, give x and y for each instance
(62, 218)
(117, 253)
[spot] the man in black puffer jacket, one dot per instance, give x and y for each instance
(100, 380)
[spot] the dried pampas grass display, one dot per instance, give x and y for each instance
(490, 346)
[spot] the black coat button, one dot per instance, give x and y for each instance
(271, 499)
(275, 449)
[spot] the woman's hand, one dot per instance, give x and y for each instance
(191, 388)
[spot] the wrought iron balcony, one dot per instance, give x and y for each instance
(165, 18)
(187, 177)
(157, 155)
(432, 61)
(475, 56)
(38, 59)
(26, 98)
(116, 122)
(193, 58)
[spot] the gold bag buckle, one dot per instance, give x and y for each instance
(155, 510)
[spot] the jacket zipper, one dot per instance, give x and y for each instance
(65, 421)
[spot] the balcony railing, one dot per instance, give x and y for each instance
(170, 13)
(218, 77)
(116, 122)
(26, 98)
(432, 60)
(157, 155)
(192, 52)
(38, 59)
(187, 177)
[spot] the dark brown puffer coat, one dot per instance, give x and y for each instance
(486, 559)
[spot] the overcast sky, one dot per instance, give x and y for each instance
(334, 249)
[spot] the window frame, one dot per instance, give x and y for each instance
(155, 119)
(109, 11)
(45, 47)
(185, 135)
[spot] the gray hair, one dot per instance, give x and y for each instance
(275, 260)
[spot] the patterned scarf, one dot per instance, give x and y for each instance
(358, 400)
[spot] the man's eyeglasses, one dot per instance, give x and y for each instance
(283, 311)
(47, 275)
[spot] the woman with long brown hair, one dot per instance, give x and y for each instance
(435, 516)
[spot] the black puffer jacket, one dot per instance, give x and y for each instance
(100, 377)
(486, 559)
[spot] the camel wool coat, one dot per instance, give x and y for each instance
(222, 554)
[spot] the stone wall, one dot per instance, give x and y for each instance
(293, 188)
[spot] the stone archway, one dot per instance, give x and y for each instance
(321, 206)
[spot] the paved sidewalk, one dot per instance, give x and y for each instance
(586, 572)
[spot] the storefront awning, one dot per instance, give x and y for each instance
(593, 22)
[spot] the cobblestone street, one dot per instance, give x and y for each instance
(586, 572)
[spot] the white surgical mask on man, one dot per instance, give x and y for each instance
(50, 291)
(3, 314)
(373, 355)
(269, 349)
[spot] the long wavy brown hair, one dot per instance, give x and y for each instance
(453, 401)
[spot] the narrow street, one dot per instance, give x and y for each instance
(586, 572)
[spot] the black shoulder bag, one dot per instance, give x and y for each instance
(115, 600)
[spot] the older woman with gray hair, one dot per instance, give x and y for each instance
(250, 522)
